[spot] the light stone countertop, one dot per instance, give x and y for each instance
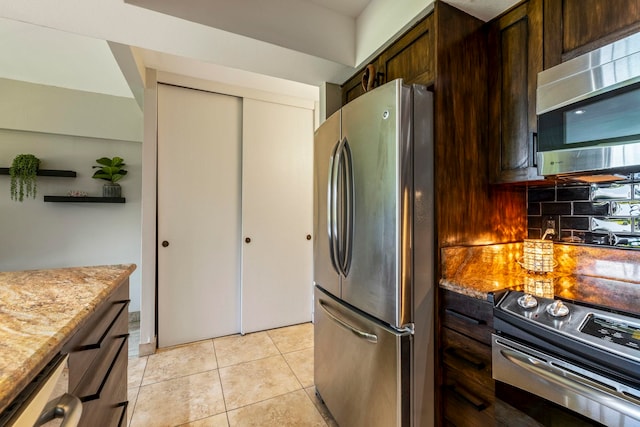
(40, 310)
(601, 276)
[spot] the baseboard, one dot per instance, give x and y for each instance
(148, 348)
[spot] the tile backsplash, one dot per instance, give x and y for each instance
(601, 214)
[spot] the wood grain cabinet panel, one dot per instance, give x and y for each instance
(98, 358)
(515, 44)
(574, 27)
(412, 57)
(352, 88)
(466, 385)
(469, 316)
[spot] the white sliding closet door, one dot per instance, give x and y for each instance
(199, 212)
(277, 217)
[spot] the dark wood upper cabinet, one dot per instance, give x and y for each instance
(574, 27)
(515, 49)
(411, 58)
(352, 88)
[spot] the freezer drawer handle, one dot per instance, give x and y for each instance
(360, 334)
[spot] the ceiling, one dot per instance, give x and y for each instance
(287, 45)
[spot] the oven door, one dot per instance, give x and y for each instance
(587, 393)
(33, 410)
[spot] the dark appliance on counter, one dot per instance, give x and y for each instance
(589, 112)
(373, 259)
(575, 361)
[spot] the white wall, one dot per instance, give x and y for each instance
(36, 234)
(382, 22)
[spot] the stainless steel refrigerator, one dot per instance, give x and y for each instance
(374, 259)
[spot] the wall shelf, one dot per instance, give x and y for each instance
(69, 199)
(46, 172)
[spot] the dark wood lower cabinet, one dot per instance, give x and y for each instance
(98, 358)
(467, 388)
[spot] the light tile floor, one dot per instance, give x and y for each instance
(262, 379)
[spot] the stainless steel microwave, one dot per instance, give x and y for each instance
(589, 112)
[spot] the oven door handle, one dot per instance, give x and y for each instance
(68, 407)
(581, 385)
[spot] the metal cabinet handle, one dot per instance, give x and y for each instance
(67, 407)
(247, 240)
(360, 334)
(533, 160)
(165, 243)
(464, 317)
(308, 236)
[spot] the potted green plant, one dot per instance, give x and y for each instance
(23, 172)
(110, 170)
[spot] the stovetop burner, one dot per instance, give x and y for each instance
(601, 293)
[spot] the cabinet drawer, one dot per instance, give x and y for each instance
(92, 385)
(462, 407)
(467, 315)
(119, 414)
(466, 358)
(104, 405)
(86, 355)
(90, 335)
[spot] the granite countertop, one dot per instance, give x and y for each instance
(40, 310)
(600, 276)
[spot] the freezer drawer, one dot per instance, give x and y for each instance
(361, 367)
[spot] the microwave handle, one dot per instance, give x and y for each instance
(533, 158)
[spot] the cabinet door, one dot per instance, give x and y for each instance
(574, 27)
(412, 56)
(352, 88)
(277, 217)
(515, 43)
(199, 155)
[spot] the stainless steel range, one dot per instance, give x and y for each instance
(580, 356)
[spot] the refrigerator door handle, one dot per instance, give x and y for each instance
(360, 334)
(337, 207)
(332, 209)
(348, 207)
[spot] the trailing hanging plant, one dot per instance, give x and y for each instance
(23, 171)
(110, 169)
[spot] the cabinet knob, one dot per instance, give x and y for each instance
(165, 243)
(308, 236)
(247, 239)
